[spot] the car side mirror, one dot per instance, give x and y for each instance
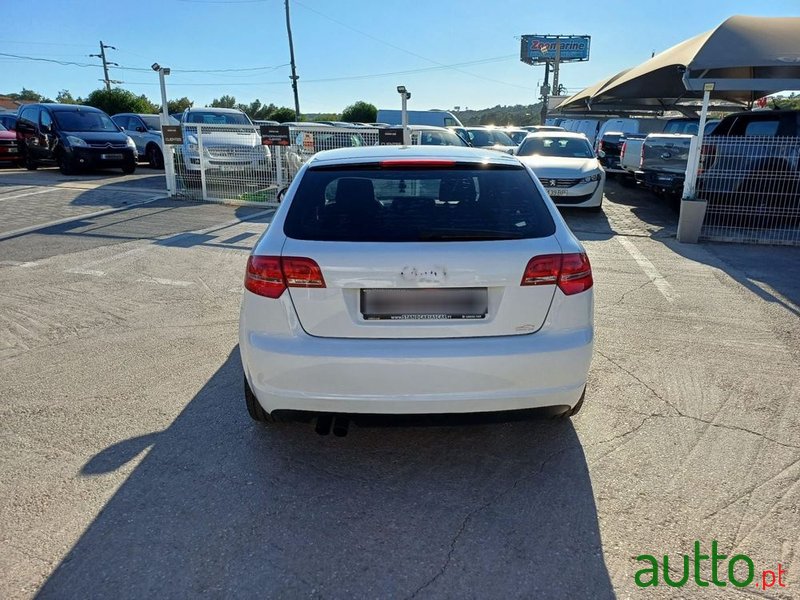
(140, 129)
(47, 129)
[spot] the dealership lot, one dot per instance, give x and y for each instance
(130, 467)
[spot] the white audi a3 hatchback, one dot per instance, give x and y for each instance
(415, 280)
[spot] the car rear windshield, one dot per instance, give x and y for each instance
(410, 204)
(82, 120)
(562, 147)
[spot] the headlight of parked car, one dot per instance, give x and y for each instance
(591, 178)
(74, 140)
(131, 144)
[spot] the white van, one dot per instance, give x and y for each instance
(588, 127)
(439, 118)
(644, 126)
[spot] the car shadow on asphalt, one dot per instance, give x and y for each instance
(225, 507)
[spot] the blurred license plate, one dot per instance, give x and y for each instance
(229, 168)
(556, 191)
(425, 303)
(8, 150)
(111, 156)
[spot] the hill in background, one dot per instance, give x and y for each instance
(520, 114)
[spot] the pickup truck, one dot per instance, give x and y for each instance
(663, 159)
(753, 161)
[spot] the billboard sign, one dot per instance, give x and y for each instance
(538, 49)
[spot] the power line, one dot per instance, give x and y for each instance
(401, 49)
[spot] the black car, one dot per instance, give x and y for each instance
(73, 137)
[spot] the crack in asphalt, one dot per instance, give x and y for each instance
(468, 517)
(680, 414)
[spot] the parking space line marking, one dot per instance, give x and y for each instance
(27, 194)
(162, 281)
(662, 285)
(85, 270)
(91, 272)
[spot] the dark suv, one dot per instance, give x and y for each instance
(73, 137)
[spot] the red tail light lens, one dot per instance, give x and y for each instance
(542, 270)
(708, 153)
(576, 274)
(571, 272)
(622, 152)
(269, 276)
(302, 272)
(264, 276)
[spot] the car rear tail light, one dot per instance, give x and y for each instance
(576, 274)
(622, 152)
(708, 154)
(302, 272)
(264, 276)
(571, 272)
(269, 276)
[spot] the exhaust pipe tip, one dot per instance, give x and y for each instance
(323, 426)
(340, 426)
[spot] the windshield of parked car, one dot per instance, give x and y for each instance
(374, 204)
(84, 120)
(556, 146)
(517, 136)
(152, 122)
(489, 137)
(215, 118)
(2, 128)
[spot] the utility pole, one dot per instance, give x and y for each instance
(545, 91)
(106, 63)
(294, 77)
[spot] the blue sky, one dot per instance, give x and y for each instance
(343, 48)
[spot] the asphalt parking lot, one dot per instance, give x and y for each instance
(129, 467)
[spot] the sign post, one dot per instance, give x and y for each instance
(553, 50)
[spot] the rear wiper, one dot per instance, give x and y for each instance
(468, 234)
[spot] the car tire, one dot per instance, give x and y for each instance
(29, 163)
(155, 157)
(254, 409)
(129, 169)
(65, 165)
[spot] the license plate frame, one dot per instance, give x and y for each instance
(423, 304)
(111, 156)
(557, 192)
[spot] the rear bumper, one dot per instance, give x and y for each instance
(416, 376)
(668, 182)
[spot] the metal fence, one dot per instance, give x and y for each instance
(752, 186)
(228, 163)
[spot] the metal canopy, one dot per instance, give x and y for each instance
(745, 57)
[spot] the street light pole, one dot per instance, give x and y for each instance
(169, 167)
(405, 95)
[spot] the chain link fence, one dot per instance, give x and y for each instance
(752, 186)
(228, 163)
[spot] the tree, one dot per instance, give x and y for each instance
(361, 112)
(179, 105)
(28, 96)
(64, 97)
(283, 114)
(224, 102)
(117, 100)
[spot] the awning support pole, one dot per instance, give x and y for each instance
(693, 163)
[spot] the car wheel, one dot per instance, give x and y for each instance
(29, 163)
(65, 165)
(254, 408)
(129, 168)
(155, 157)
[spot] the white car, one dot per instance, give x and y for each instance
(421, 279)
(567, 167)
